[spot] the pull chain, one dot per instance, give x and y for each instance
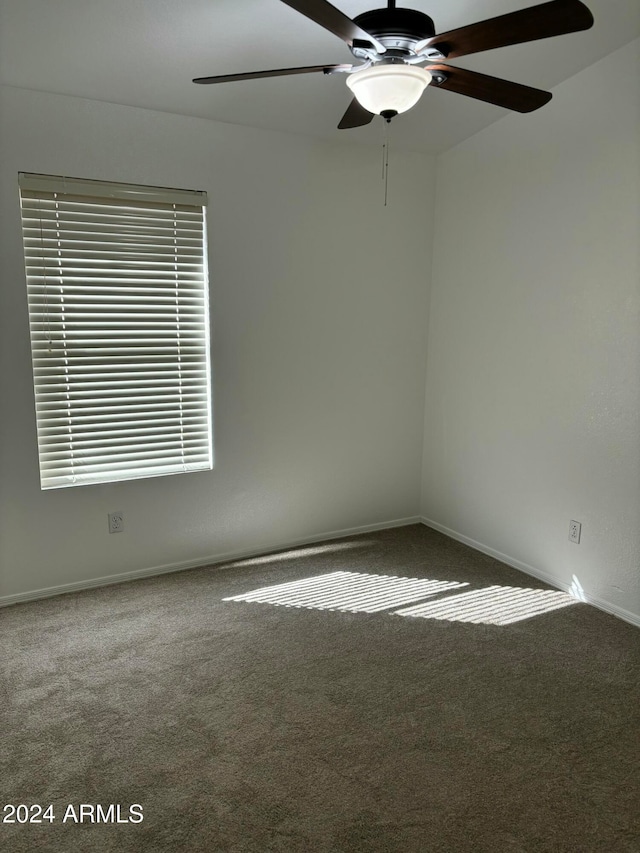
(385, 161)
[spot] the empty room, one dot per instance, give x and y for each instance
(320, 426)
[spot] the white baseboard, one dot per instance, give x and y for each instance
(108, 580)
(600, 603)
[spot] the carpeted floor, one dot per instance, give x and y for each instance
(328, 722)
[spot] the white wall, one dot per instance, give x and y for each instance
(318, 306)
(533, 367)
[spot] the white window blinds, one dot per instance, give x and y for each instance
(118, 312)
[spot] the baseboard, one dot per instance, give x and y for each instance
(600, 603)
(210, 560)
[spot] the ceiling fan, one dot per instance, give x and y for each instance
(399, 54)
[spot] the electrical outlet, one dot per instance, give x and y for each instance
(574, 531)
(116, 522)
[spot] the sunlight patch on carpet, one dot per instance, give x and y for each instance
(295, 553)
(351, 591)
(493, 605)
(357, 592)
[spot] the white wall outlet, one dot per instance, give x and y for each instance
(574, 531)
(116, 522)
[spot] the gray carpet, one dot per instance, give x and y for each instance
(247, 726)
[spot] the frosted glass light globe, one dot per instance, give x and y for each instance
(394, 88)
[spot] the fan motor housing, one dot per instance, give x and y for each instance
(398, 29)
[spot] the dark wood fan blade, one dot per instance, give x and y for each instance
(537, 22)
(355, 116)
(278, 72)
(335, 21)
(493, 90)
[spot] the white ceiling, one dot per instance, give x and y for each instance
(144, 53)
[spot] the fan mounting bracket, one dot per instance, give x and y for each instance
(435, 51)
(403, 32)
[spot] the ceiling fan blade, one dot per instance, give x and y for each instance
(536, 22)
(335, 21)
(355, 116)
(493, 90)
(278, 72)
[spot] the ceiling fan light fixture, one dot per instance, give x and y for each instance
(389, 88)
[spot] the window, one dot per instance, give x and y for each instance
(118, 315)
